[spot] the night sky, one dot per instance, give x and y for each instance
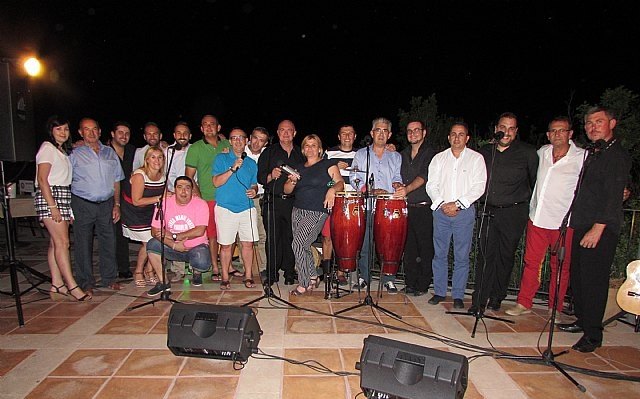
(322, 64)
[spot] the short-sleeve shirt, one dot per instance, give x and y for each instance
(201, 156)
(60, 174)
(232, 195)
(180, 218)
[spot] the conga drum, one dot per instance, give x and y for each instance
(347, 228)
(390, 231)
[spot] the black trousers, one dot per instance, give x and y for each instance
(276, 217)
(590, 268)
(418, 249)
(122, 249)
(498, 245)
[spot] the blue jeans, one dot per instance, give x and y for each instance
(461, 228)
(198, 257)
(363, 262)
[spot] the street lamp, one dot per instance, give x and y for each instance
(32, 66)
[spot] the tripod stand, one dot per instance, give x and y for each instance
(480, 307)
(368, 300)
(14, 264)
(165, 295)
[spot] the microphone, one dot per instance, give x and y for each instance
(366, 140)
(499, 135)
(177, 146)
(288, 170)
(244, 155)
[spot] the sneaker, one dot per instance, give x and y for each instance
(360, 285)
(158, 288)
(517, 310)
(196, 279)
(391, 288)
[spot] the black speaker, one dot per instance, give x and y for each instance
(213, 331)
(392, 369)
(17, 134)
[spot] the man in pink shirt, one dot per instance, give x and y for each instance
(185, 239)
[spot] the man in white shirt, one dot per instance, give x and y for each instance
(257, 143)
(558, 169)
(152, 135)
(182, 135)
(457, 178)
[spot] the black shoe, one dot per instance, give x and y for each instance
(408, 290)
(265, 277)
(569, 327)
(159, 287)
(289, 281)
(474, 309)
(436, 299)
(586, 345)
(126, 274)
(494, 304)
(419, 293)
(458, 304)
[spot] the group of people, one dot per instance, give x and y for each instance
(275, 200)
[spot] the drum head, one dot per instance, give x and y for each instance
(348, 194)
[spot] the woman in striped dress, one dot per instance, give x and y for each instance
(147, 186)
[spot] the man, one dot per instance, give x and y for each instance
(343, 155)
(95, 200)
(457, 178)
(120, 136)
(511, 174)
(384, 178)
(184, 232)
(236, 180)
(418, 249)
(200, 158)
(152, 135)
(596, 219)
(257, 143)
(558, 170)
(277, 212)
(182, 136)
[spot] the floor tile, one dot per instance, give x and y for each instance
(92, 362)
(321, 307)
(9, 358)
(70, 309)
(351, 327)
(204, 388)
(135, 388)
(157, 309)
(621, 357)
(161, 326)
(57, 388)
(296, 387)
(309, 325)
(484, 324)
(151, 362)
(545, 385)
(129, 325)
(418, 324)
(196, 367)
(46, 325)
(329, 358)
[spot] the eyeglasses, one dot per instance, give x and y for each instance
(378, 130)
(559, 131)
(238, 138)
(414, 131)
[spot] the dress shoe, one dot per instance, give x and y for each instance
(473, 309)
(570, 327)
(436, 299)
(408, 290)
(517, 310)
(494, 304)
(419, 293)
(126, 274)
(458, 304)
(586, 344)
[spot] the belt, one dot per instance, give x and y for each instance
(419, 204)
(281, 196)
(92, 202)
(507, 205)
(259, 196)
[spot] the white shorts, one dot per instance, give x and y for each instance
(230, 224)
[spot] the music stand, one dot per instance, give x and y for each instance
(479, 313)
(165, 295)
(14, 264)
(368, 299)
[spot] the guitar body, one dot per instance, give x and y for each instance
(629, 293)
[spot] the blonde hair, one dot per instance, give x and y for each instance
(312, 137)
(147, 153)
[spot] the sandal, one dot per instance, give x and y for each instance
(297, 291)
(85, 297)
(249, 283)
(140, 282)
(151, 279)
(216, 277)
(225, 285)
(56, 295)
(236, 273)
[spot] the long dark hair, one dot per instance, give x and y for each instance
(55, 121)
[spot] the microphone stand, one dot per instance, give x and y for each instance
(165, 295)
(479, 314)
(271, 234)
(368, 300)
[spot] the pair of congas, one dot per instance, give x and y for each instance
(348, 229)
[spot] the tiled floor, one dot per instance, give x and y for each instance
(101, 350)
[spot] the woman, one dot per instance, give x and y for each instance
(315, 193)
(53, 207)
(147, 185)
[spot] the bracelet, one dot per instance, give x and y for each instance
(52, 206)
(117, 204)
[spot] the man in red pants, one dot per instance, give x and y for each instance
(558, 170)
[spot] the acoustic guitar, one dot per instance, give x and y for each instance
(629, 292)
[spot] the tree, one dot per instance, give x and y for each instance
(426, 110)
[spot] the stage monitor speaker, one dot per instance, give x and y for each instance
(213, 331)
(17, 134)
(392, 369)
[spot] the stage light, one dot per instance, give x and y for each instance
(33, 66)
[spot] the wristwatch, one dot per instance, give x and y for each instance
(174, 237)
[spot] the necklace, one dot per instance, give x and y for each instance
(556, 158)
